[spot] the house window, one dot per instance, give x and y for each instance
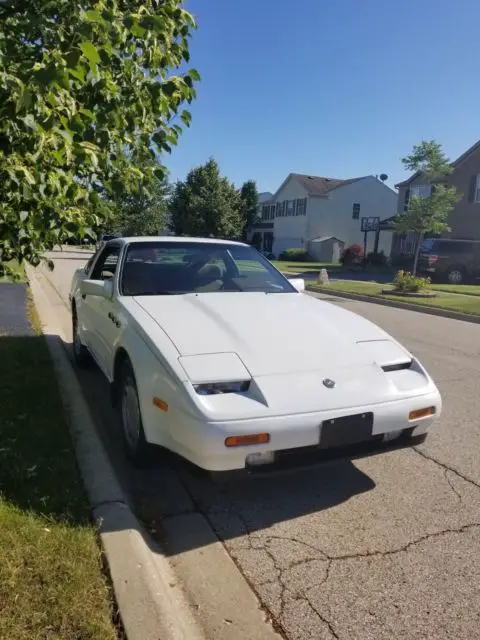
(421, 190)
(477, 189)
(268, 211)
(290, 207)
(301, 207)
(356, 210)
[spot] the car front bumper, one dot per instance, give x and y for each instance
(203, 443)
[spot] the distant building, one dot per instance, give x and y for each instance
(323, 215)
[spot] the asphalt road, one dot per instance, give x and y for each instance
(383, 546)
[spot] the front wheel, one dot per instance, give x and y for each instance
(80, 352)
(136, 446)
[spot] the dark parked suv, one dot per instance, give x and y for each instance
(447, 260)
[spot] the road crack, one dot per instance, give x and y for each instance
(321, 617)
(452, 486)
(447, 467)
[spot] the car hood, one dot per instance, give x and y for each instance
(271, 333)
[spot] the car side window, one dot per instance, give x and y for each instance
(106, 265)
(88, 266)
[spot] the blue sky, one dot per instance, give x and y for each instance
(339, 89)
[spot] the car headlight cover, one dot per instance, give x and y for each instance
(387, 354)
(213, 388)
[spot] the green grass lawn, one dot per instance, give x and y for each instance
(17, 271)
(51, 581)
(463, 303)
(466, 289)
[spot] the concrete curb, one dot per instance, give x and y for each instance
(151, 602)
(433, 311)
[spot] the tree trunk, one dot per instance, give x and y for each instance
(417, 251)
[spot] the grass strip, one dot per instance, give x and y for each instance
(51, 580)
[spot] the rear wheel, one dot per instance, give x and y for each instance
(136, 446)
(455, 275)
(80, 352)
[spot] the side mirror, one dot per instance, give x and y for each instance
(101, 288)
(298, 283)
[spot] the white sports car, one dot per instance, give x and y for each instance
(215, 355)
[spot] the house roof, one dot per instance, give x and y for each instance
(456, 163)
(325, 238)
(321, 186)
(264, 196)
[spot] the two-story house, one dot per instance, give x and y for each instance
(323, 215)
(464, 220)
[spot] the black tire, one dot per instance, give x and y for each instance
(81, 354)
(455, 275)
(136, 446)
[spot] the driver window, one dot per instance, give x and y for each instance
(106, 264)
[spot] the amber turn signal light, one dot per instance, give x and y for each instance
(421, 413)
(160, 404)
(244, 441)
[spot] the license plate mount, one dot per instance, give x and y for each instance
(340, 432)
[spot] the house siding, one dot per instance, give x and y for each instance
(332, 216)
(290, 231)
(465, 218)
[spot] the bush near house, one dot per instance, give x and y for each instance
(406, 281)
(295, 255)
(352, 255)
(378, 259)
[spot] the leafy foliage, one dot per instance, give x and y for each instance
(295, 255)
(352, 254)
(249, 202)
(142, 212)
(428, 159)
(428, 215)
(206, 204)
(85, 94)
(406, 281)
(377, 259)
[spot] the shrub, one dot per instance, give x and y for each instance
(377, 259)
(406, 281)
(352, 255)
(295, 255)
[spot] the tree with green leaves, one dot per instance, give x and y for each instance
(87, 91)
(142, 212)
(429, 214)
(206, 204)
(249, 202)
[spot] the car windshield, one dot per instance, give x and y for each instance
(169, 268)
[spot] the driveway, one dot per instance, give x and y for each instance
(381, 547)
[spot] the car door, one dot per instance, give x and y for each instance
(99, 314)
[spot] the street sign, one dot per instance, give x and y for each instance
(370, 224)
